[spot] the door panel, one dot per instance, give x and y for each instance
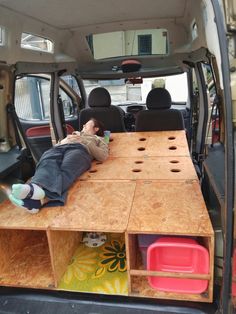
(32, 103)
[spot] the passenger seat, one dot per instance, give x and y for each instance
(100, 108)
(159, 116)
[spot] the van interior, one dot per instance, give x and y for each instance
(151, 228)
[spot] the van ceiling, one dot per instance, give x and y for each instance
(67, 23)
(72, 14)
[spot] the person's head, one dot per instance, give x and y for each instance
(93, 127)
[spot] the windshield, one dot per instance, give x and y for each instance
(123, 93)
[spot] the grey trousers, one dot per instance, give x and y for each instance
(58, 168)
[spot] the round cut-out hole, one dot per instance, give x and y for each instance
(174, 161)
(141, 148)
(171, 138)
(172, 147)
(142, 139)
(139, 162)
(111, 140)
(93, 170)
(136, 170)
(175, 170)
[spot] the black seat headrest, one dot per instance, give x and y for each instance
(158, 98)
(99, 97)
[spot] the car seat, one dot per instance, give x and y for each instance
(159, 116)
(100, 108)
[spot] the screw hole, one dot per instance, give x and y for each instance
(111, 140)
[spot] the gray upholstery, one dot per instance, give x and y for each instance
(159, 116)
(100, 108)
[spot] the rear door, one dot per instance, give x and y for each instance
(32, 105)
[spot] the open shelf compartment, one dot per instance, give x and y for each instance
(139, 284)
(25, 259)
(94, 265)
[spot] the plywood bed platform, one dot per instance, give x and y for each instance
(36, 249)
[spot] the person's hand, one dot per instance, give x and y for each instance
(74, 137)
(76, 133)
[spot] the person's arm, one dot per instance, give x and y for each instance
(98, 150)
(71, 138)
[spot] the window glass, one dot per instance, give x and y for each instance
(32, 98)
(122, 93)
(213, 132)
(34, 42)
(67, 103)
(128, 43)
(72, 82)
(2, 36)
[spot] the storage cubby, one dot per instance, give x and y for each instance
(25, 259)
(97, 265)
(139, 284)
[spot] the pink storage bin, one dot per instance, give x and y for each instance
(184, 255)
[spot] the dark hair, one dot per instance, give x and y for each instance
(100, 126)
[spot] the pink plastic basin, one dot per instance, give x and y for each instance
(183, 255)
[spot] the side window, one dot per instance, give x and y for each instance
(32, 98)
(213, 132)
(70, 99)
(67, 102)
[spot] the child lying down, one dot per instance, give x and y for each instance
(60, 166)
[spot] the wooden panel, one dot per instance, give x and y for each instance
(140, 144)
(62, 247)
(12, 216)
(170, 207)
(26, 259)
(97, 206)
(132, 250)
(149, 168)
(165, 274)
(4, 252)
(209, 243)
(141, 288)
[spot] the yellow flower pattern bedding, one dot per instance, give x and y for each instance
(99, 269)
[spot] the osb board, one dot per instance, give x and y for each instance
(141, 288)
(209, 243)
(172, 207)
(149, 168)
(12, 216)
(139, 144)
(97, 206)
(27, 262)
(62, 245)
